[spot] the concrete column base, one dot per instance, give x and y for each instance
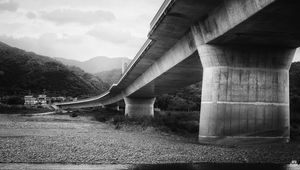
(240, 140)
(116, 107)
(245, 94)
(139, 107)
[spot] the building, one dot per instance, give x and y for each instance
(29, 100)
(42, 99)
(58, 99)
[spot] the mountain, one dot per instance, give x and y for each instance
(97, 64)
(21, 72)
(110, 77)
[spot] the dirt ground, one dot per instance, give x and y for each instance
(65, 139)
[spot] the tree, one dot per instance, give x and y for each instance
(15, 100)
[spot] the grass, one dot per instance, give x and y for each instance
(20, 109)
(178, 122)
(183, 123)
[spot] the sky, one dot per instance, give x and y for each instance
(78, 29)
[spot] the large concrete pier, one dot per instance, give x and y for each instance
(139, 107)
(245, 92)
(245, 49)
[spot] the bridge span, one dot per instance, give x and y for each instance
(243, 48)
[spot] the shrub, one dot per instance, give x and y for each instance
(15, 100)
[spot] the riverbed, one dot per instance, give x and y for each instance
(82, 140)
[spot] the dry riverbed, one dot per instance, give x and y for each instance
(63, 139)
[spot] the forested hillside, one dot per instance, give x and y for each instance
(96, 64)
(21, 72)
(111, 76)
(295, 91)
(189, 98)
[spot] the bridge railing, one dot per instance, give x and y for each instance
(83, 100)
(162, 10)
(137, 57)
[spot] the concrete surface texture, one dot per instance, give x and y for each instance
(245, 91)
(245, 48)
(139, 107)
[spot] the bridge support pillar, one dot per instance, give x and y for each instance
(115, 107)
(245, 94)
(139, 107)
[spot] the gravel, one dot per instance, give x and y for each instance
(62, 139)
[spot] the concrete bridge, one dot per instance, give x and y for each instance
(244, 49)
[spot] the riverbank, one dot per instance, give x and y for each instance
(83, 140)
(180, 123)
(21, 109)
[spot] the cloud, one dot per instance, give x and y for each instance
(31, 15)
(65, 16)
(49, 44)
(112, 35)
(8, 5)
(79, 47)
(82, 28)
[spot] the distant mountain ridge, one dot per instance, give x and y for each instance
(22, 71)
(96, 64)
(110, 77)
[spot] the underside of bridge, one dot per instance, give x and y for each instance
(244, 49)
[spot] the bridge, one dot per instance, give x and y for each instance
(243, 48)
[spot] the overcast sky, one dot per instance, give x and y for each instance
(78, 29)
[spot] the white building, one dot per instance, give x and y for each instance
(42, 99)
(29, 100)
